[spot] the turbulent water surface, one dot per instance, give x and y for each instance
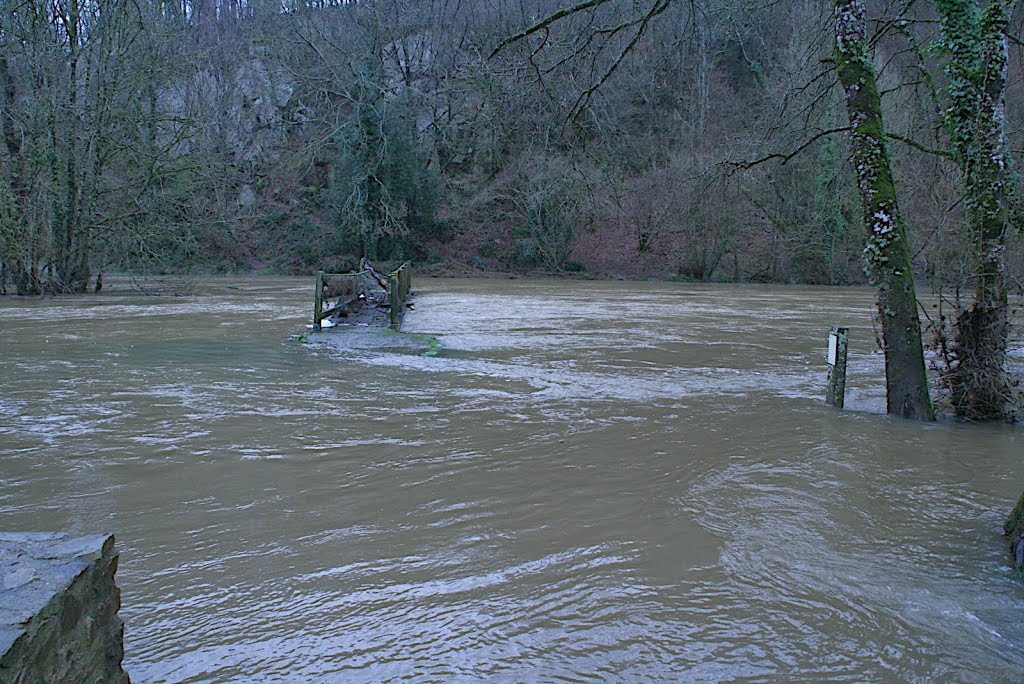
(577, 482)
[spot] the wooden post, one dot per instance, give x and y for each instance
(838, 340)
(395, 297)
(318, 299)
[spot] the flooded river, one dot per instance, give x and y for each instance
(576, 482)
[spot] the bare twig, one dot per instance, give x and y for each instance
(786, 157)
(918, 146)
(547, 21)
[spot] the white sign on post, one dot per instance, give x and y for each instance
(833, 345)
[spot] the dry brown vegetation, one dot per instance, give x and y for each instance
(203, 134)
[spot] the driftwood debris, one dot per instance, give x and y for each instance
(163, 286)
(365, 298)
(364, 265)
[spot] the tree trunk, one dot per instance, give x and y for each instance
(1014, 529)
(11, 242)
(977, 44)
(887, 254)
(66, 276)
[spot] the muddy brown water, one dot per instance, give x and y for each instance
(579, 482)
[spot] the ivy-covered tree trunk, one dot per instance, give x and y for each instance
(383, 191)
(13, 242)
(369, 143)
(1014, 529)
(70, 258)
(977, 45)
(887, 254)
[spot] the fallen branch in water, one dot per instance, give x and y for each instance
(364, 265)
(163, 286)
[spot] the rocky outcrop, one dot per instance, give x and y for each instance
(255, 124)
(58, 610)
(246, 109)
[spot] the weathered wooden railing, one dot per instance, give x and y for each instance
(399, 282)
(347, 288)
(344, 287)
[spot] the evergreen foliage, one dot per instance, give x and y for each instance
(384, 188)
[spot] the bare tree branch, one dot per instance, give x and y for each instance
(919, 147)
(546, 22)
(746, 165)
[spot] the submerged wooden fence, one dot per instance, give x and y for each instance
(348, 288)
(345, 287)
(399, 282)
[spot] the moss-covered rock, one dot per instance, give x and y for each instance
(1014, 529)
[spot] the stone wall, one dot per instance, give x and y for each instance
(58, 610)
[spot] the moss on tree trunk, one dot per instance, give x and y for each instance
(977, 45)
(1014, 529)
(886, 254)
